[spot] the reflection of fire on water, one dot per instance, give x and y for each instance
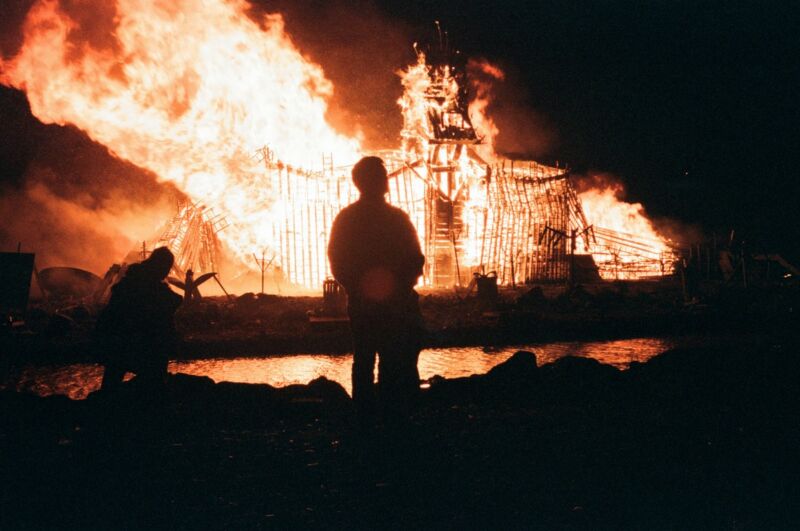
(192, 101)
(77, 381)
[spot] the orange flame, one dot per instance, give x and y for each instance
(420, 81)
(191, 90)
(626, 244)
(604, 209)
(478, 107)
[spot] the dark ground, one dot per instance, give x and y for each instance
(693, 439)
(701, 438)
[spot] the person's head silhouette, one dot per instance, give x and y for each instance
(159, 263)
(369, 176)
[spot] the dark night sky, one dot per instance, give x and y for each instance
(692, 104)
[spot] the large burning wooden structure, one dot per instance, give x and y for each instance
(519, 220)
(475, 212)
(198, 99)
(514, 219)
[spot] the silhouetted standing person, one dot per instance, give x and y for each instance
(190, 291)
(137, 327)
(374, 253)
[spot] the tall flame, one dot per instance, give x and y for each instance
(189, 90)
(192, 89)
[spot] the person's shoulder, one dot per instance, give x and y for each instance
(343, 220)
(348, 211)
(378, 210)
(402, 214)
(398, 213)
(124, 285)
(393, 210)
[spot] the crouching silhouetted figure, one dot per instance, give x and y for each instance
(374, 253)
(136, 330)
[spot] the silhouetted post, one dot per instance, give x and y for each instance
(454, 236)
(222, 287)
(512, 260)
(573, 239)
(744, 265)
(263, 265)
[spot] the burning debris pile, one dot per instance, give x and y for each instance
(192, 237)
(192, 101)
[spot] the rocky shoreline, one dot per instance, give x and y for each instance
(694, 438)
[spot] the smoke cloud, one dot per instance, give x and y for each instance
(361, 50)
(74, 231)
(14, 12)
(521, 131)
(70, 200)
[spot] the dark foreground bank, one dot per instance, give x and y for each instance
(691, 439)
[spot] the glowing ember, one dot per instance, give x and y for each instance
(189, 89)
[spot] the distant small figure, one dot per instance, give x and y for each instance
(190, 285)
(137, 327)
(190, 292)
(374, 253)
(726, 264)
(690, 275)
